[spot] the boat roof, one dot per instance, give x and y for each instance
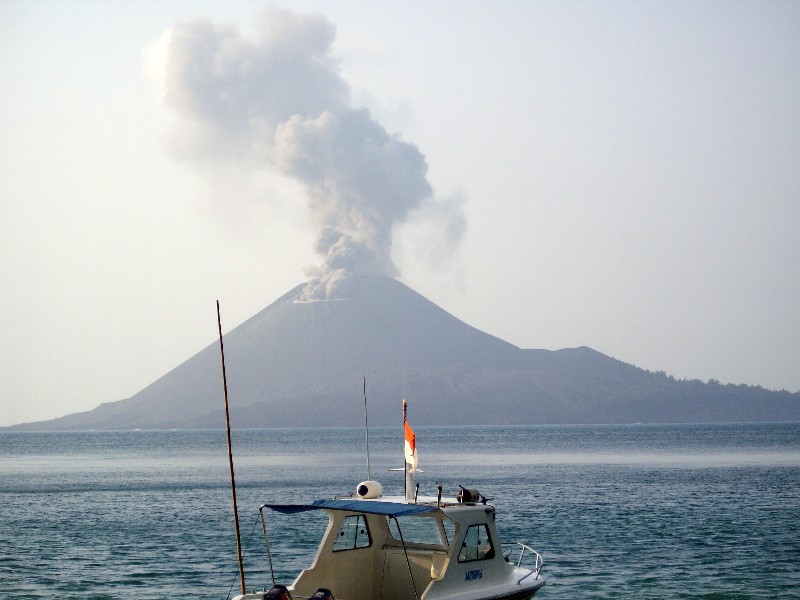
(375, 507)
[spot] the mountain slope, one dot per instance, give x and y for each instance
(301, 364)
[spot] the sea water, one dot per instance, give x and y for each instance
(636, 511)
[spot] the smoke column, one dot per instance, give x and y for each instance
(277, 100)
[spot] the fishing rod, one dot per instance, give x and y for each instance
(230, 454)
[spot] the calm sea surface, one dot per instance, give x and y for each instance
(638, 511)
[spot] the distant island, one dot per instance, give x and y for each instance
(301, 364)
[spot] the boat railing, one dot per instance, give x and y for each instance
(524, 557)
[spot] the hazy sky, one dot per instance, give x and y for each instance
(628, 173)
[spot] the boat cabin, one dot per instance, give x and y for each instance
(425, 549)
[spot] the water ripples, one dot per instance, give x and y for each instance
(148, 514)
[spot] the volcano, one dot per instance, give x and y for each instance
(301, 364)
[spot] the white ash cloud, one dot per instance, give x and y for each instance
(276, 100)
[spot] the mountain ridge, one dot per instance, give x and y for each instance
(301, 364)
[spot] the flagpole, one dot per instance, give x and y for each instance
(409, 481)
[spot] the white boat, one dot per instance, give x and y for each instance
(409, 548)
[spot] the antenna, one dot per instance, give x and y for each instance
(366, 428)
(230, 454)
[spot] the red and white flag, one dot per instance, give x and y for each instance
(411, 446)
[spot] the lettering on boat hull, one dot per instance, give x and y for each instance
(473, 575)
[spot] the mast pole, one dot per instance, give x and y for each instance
(230, 454)
(409, 480)
(366, 428)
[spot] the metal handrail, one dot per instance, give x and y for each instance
(538, 561)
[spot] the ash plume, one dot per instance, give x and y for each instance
(276, 100)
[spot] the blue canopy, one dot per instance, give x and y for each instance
(391, 509)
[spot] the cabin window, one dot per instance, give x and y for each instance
(449, 531)
(477, 544)
(416, 530)
(353, 534)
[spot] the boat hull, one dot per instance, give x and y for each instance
(521, 595)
